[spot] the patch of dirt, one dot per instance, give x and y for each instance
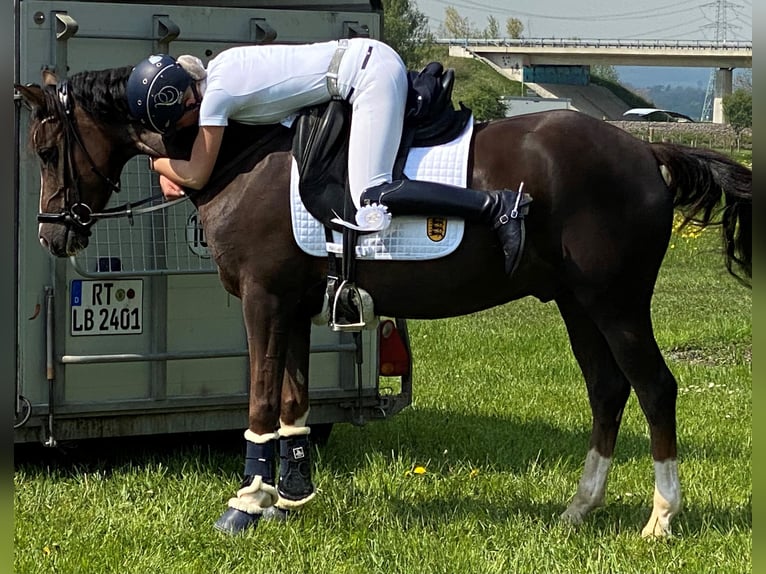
(712, 356)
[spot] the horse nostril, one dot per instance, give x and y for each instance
(43, 241)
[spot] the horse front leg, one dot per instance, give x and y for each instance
(295, 487)
(608, 391)
(267, 340)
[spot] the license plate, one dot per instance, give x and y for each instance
(107, 307)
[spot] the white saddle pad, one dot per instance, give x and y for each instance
(408, 237)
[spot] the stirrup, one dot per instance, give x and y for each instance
(347, 311)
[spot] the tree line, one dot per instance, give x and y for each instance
(407, 30)
(738, 106)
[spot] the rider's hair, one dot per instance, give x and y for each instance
(193, 66)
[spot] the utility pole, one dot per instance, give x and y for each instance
(720, 35)
(721, 27)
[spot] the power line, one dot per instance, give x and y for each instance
(675, 28)
(640, 14)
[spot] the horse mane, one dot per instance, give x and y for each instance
(102, 93)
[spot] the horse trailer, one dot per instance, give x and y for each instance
(135, 335)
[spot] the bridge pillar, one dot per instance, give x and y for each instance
(722, 88)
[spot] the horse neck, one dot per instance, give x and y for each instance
(243, 150)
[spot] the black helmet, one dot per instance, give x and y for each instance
(155, 92)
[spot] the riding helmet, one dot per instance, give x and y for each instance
(155, 91)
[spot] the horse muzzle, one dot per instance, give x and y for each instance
(78, 218)
(64, 234)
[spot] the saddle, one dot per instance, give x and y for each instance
(320, 148)
(320, 143)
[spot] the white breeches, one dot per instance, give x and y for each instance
(378, 102)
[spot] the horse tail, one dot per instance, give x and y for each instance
(699, 179)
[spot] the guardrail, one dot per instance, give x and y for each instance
(599, 43)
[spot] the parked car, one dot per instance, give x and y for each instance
(654, 115)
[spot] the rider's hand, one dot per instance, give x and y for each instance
(170, 189)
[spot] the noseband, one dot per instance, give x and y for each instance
(76, 214)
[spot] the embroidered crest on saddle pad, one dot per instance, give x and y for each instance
(436, 228)
(407, 237)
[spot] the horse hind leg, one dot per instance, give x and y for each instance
(608, 391)
(631, 338)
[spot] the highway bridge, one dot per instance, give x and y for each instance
(512, 57)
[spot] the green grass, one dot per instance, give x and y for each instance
(499, 422)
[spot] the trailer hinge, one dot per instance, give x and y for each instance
(165, 31)
(62, 29)
(261, 31)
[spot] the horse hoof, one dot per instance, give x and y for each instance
(235, 521)
(275, 514)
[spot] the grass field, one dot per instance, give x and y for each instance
(470, 479)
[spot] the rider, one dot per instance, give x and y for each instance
(268, 84)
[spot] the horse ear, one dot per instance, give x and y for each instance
(49, 77)
(32, 95)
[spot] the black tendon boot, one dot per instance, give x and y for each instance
(503, 211)
(295, 487)
(260, 464)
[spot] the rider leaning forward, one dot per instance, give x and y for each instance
(269, 84)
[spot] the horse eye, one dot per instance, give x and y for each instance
(48, 155)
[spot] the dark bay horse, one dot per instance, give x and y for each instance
(597, 232)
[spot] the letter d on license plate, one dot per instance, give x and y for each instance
(106, 307)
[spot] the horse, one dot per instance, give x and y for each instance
(596, 234)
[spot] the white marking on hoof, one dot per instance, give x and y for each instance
(667, 500)
(591, 490)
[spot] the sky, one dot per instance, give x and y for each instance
(607, 19)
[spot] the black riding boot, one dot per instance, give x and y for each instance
(502, 210)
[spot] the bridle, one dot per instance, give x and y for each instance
(76, 214)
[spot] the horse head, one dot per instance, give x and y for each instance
(82, 135)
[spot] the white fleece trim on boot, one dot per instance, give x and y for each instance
(286, 504)
(256, 497)
(260, 438)
(290, 430)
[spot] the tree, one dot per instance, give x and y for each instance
(484, 101)
(406, 31)
(456, 26)
(493, 28)
(738, 109)
(514, 27)
(744, 80)
(605, 72)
